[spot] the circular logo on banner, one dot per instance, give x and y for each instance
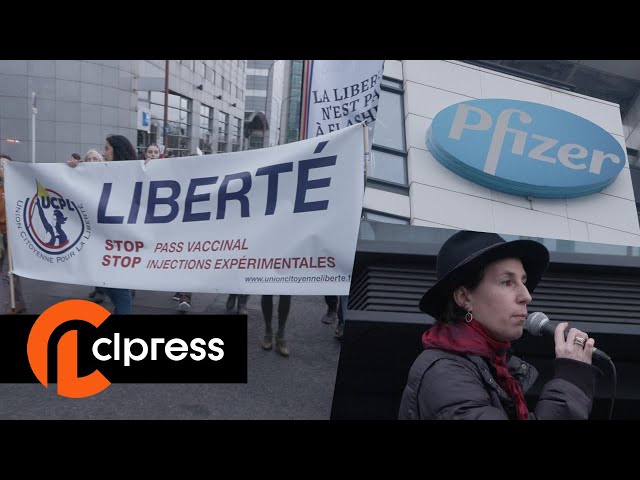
(54, 222)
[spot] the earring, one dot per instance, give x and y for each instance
(468, 317)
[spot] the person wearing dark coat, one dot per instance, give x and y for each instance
(466, 371)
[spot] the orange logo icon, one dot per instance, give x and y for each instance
(69, 384)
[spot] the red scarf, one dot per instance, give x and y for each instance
(473, 338)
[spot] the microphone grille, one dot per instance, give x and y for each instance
(534, 322)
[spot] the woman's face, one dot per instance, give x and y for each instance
(500, 301)
(108, 152)
(92, 156)
(152, 152)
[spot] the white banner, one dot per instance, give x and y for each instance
(342, 93)
(281, 220)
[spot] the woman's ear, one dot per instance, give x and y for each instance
(461, 297)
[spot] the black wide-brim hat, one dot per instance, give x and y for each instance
(466, 252)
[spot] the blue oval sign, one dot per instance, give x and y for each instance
(525, 148)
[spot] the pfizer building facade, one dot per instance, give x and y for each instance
(543, 150)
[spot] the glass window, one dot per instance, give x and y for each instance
(157, 97)
(256, 139)
(381, 217)
(178, 135)
(201, 67)
(388, 166)
(206, 129)
(389, 126)
(179, 126)
(190, 64)
(174, 100)
(635, 180)
(154, 101)
(157, 111)
(237, 128)
(389, 155)
(223, 131)
(141, 142)
(293, 104)
(389, 82)
(173, 114)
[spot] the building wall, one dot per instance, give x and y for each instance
(80, 102)
(290, 120)
(440, 198)
(219, 78)
(265, 93)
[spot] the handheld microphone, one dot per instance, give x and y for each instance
(537, 323)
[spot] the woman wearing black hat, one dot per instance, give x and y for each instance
(480, 305)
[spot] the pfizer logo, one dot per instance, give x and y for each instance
(525, 148)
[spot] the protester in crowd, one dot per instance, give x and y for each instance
(89, 157)
(480, 305)
(93, 156)
(97, 293)
(332, 309)
(184, 301)
(5, 285)
(75, 158)
(284, 304)
(242, 304)
(116, 148)
(342, 311)
(152, 152)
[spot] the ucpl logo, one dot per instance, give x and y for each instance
(525, 148)
(54, 227)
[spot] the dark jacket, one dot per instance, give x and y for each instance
(447, 386)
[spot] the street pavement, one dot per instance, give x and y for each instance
(298, 387)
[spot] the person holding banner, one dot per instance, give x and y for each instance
(152, 152)
(284, 304)
(242, 304)
(89, 157)
(97, 293)
(118, 147)
(93, 156)
(342, 312)
(74, 158)
(466, 371)
(5, 282)
(332, 309)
